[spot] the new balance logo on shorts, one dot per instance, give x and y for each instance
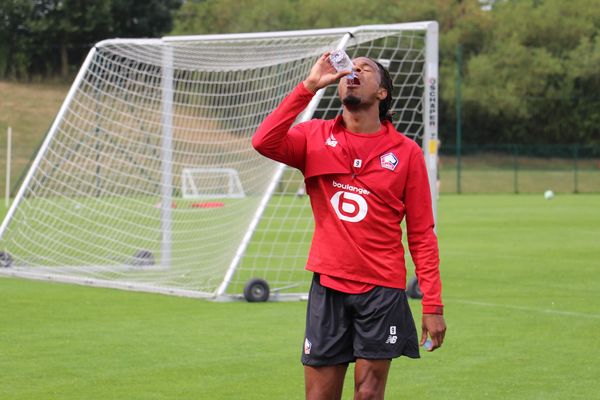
(392, 338)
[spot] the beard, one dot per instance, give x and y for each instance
(351, 101)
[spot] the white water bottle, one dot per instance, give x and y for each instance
(341, 62)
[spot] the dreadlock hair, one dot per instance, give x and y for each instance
(388, 85)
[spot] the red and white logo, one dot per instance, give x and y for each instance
(307, 346)
(331, 141)
(389, 161)
(350, 207)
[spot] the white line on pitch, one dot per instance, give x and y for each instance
(521, 308)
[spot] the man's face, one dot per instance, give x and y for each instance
(365, 89)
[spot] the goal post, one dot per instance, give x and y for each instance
(201, 183)
(147, 179)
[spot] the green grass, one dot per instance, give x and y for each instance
(521, 290)
(80, 228)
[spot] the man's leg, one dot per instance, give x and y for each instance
(383, 329)
(370, 377)
(324, 383)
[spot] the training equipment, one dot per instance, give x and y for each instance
(256, 290)
(201, 183)
(147, 179)
(548, 194)
(413, 290)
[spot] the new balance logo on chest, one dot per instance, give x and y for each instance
(331, 141)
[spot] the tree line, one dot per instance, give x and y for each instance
(49, 38)
(529, 69)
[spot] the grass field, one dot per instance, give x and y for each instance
(521, 287)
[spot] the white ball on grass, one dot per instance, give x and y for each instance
(548, 194)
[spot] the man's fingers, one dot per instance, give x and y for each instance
(435, 326)
(437, 338)
(435, 344)
(423, 336)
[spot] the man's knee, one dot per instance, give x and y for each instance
(370, 379)
(368, 393)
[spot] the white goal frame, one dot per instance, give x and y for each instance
(429, 138)
(189, 189)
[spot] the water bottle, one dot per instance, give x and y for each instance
(341, 62)
(428, 345)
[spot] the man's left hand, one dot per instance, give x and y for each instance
(433, 326)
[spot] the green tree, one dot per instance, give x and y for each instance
(15, 40)
(460, 22)
(536, 79)
(43, 37)
(66, 24)
(149, 18)
(229, 16)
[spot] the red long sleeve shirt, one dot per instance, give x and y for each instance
(358, 204)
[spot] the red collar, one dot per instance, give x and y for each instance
(395, 136)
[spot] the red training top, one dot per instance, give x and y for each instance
(359, 201)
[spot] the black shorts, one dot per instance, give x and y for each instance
(342, 327)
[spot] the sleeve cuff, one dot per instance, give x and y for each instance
(433, 310)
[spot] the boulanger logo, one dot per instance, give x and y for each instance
(350, 188)
(350, 207)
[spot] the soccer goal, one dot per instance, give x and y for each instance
(147, 179)
(201, 183)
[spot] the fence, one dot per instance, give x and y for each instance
(493, 168)
(512, 168)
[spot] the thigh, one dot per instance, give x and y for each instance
(383, 325)
(370, 378)
(328, 337)
(325, 382)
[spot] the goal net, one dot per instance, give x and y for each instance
(147, 179)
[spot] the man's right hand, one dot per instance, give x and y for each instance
(322, 74)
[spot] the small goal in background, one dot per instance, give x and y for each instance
(211, 183)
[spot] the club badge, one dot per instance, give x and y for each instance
(307, 346)
(389, 161)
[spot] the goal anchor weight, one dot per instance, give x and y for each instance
(413, 290)
(143, 258)
(6, 260)
(256, 290)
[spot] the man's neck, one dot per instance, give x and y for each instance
(361, 121)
